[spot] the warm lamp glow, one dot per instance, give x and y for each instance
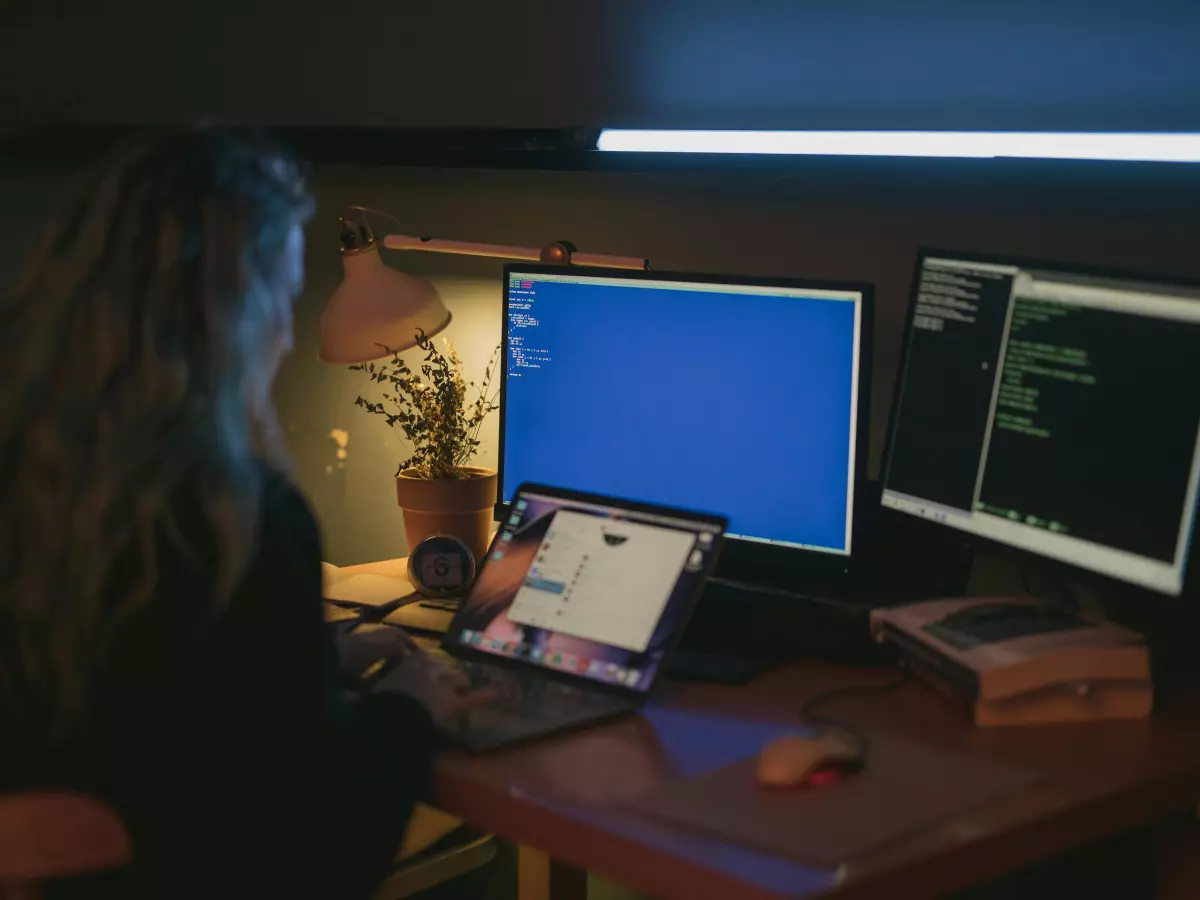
(377, 305)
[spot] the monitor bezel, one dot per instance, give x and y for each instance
(741, 560)
(978, 542)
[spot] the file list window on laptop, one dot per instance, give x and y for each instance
(592, 590)
(600, 579)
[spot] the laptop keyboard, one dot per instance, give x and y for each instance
(522, 703)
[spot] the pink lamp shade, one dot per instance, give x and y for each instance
(377, 305)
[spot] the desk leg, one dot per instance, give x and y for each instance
(541, 878)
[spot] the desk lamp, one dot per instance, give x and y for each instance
(377, 306)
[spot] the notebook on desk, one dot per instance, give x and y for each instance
(382, 595)
(575, 609)
(367, 590)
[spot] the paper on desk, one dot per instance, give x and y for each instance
(331, 574)
(367, 590)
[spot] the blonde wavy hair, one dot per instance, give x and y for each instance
(136, 356)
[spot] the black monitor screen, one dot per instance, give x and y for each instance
(1053, 411)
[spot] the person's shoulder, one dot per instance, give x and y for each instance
(282, 578)
(287, 523)
(282, 499)
(278, 489)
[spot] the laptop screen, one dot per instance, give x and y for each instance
(589, 589)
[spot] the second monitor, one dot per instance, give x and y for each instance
(742, 396)
(1052, 409)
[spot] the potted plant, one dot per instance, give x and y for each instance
(439, 492)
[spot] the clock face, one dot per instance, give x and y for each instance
(441, 566)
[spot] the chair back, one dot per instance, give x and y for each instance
(46, 835)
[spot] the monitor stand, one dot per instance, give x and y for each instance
(718, 666)
(741, 630)
(721, 644)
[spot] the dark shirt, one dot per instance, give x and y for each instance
(237, 764)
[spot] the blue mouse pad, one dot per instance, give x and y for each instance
(906, 786)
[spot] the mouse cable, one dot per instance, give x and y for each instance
(808, 713)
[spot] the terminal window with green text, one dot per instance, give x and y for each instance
(741, 400)
(1055, 412)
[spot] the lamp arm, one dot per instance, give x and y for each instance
(557, 252)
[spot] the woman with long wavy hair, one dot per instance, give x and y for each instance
(161, 636)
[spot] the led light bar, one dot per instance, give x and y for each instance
(1125, 146)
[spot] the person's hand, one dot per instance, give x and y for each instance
(432, 684)
(361, 647)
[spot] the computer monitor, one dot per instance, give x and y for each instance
(745, 397)
(1054, 410)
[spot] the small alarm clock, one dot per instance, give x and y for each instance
(441, 566)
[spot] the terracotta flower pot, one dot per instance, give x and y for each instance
(460, 507)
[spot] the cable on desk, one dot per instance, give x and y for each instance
(808, 710)
(369, 615)
(373, 615)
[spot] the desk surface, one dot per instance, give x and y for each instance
(564, 795)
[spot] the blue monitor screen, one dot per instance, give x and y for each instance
(741, 400)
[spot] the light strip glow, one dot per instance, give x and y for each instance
(1129, 147)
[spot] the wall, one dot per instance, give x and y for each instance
(864, 226)
(1073, 64)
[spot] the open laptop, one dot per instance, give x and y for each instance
(575, 609)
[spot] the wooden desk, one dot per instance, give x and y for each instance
(562, 795)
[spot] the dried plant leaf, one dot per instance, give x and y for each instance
(431, 409)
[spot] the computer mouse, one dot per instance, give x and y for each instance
(811, 759)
